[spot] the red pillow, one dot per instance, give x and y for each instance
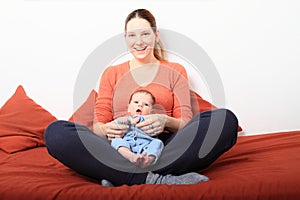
(22, 123)
(85, 113)
(199, 105)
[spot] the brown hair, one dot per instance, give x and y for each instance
(159, 51)
(142, 91)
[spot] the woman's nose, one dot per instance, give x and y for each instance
(138, 40)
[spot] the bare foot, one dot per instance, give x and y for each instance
(136, 159)
(146, 160)
(132, 157)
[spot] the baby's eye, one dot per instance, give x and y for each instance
(146, 104)
(135, 102)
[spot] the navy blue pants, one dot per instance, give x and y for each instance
(194, 147)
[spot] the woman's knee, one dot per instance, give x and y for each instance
(226, 116)
(54, 132)
(230, 114)
(55, 127)
(223, 122)
(230, 128)
(231, 120)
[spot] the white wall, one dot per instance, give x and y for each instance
(255, 46)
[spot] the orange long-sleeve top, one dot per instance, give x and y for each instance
(169, 86)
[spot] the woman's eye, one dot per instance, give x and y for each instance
(131, 35)
(146, 34)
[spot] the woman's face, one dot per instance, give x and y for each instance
(140, 39)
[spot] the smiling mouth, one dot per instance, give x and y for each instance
(141, 49)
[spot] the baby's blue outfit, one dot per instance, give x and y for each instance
(138, 141)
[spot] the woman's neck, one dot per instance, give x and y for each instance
(134, 63)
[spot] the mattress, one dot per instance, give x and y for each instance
(257, 167)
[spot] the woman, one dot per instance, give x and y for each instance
(192, 143)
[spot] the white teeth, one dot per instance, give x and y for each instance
(138, 49)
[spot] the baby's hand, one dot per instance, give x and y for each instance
(134, 120)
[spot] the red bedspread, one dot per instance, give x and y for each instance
(257, 167)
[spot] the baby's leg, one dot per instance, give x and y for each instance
(132, 157)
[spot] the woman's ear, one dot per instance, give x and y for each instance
(157, 35)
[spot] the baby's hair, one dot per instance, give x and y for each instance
(142, 91)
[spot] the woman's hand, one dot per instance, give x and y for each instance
(110, 130)
(154, 124)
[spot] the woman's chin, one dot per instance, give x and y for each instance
(140, 55)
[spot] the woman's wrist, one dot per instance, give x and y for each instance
(98, 129)
(174, 124)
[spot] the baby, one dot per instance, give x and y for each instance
(138, 147)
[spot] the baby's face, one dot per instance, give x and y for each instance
(140, 104)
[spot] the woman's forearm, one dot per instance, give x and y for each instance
(174, 124)
(98, 130)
